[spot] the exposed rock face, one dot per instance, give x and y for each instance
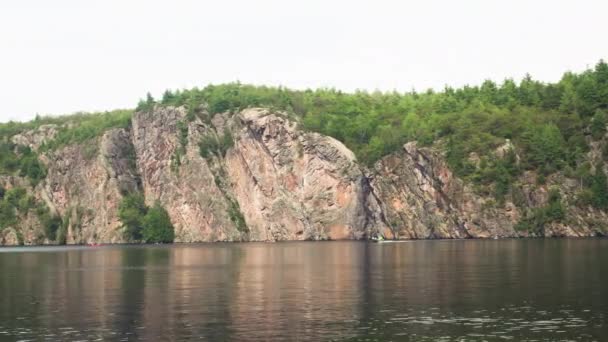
(260, 178)
(421, 198)
(33, 139)
(27, 230)
(84, 186)
(188, 192)
(579, 222)
(8, 237)
(85, 183)
(288, 185)
(293, 185)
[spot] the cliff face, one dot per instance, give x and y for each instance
(85, 185)
(421, 198)
(26, 227)
(255, 176)
(283, 183)
(293, 185)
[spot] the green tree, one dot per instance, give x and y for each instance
(535, 220)
(601, 75)
(587, 92)
(598, 124)
(555, 210)
(147, 104)
(502, 183)
(157, 227)
(415, 128)
(507, 94)
(569, 101)
(30, 167)
(489, 91)
(599, 188)
(551, 96)
(168, 97)
(529, 91)
(131, 212)
(546, 147)
(51, 225)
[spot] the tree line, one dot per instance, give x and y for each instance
(548, 124)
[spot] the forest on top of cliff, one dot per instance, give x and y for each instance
(549, 125)
(503, 139)
(546, 122)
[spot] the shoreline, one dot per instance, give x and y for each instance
(209, 243)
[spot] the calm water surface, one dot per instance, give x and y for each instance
(541, 290)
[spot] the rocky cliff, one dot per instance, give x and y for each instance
(274, 182)
(421, 198)
(255, 176)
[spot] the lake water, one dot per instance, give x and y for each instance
(471, 290)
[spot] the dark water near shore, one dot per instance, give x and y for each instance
(542, 290)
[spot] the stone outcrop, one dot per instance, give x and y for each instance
(286, 184)
(35, 138)
(421, 198)
(188, 191)
(85, 184)
(293, 185)
(256, 176)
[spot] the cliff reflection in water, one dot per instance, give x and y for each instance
(520, 289)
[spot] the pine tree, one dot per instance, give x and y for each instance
(599, 188)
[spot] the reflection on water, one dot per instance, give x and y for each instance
(424, 290)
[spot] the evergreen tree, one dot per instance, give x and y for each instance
(546, 147)
(601, 75)
(149, 99)
(599, 188)
(131, 212)
(157, 227)
(529, 94)
(598, 124)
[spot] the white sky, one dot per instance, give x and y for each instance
(62, 56)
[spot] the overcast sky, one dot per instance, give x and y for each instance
(63, 56)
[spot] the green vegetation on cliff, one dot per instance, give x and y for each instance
(547, 124)
(545, 120)
(536, 218)
(157, 227)
(491, 136)
(55, 229)
(21, 160)
(73, 128)
(13, 202)
(211, 144)
(140, 223)
(131, 212)
(82, 127)
(16, 203)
